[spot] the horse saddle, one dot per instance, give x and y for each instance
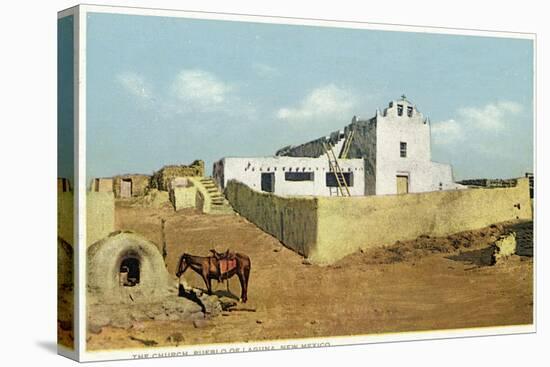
(227, 261)
(226, 265)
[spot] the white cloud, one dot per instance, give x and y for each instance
(190, 91)
(326, 102)
(135, 84)
(492, 118)
(447, 131)
(200, 88)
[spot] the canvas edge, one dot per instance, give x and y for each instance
(83, 355)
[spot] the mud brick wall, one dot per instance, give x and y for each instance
(162, 178)
(65, 216)
(325, 229)
(346, 225)
(140, 184)
(100, 216)
(292, 220)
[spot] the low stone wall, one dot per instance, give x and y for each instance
(325, 229)
(292, 220)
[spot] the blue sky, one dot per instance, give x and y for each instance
(172, 90)
(65, 105)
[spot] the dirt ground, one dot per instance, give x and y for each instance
(426, 284)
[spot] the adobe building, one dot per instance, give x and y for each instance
(64, 184)
(163, 177)
(389, 153)
(131, 185)
(104, 184)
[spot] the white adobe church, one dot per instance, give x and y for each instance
(387, 154)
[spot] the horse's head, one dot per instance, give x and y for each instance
(182, 265)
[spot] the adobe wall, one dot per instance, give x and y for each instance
(183, 197)
(140, 184)
(292, 220)
(162, 178)
(102, 185)
(65, 216)
(100, 216)
(325, 229)
(348, 224)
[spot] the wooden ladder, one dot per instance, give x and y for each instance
(347, 145)
(335, 168)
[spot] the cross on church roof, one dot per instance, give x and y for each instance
(403, 97)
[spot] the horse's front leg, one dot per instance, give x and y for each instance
(208, 282)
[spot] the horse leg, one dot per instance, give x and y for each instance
(243, 279)
(246, 276)
(207, 281)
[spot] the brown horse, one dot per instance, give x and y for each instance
(220, 266)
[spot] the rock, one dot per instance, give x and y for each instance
(196, 316)
(199, 324)
(306, 262)
(175, 338)
(162, 317)
(122, 322)
(212, 304)
(259, 322)
(146, 342)
(174, 317)
(505, 246)
(138, 315)
(99, 318)
(138, 326)
(94, 328)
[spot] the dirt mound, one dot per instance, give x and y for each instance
(477, 243)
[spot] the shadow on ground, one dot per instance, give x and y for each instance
(481, 257)
(47, 345)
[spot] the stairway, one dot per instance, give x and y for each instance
(219, 204)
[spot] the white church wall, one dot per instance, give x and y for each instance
(392, 130)
(249, 171)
